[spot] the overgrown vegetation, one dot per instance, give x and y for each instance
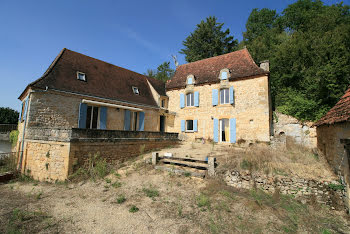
(14, 137)
(96, 167)
(8, 162)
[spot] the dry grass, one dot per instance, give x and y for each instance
(292, 160)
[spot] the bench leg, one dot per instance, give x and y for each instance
(155, 157)
(211, 168)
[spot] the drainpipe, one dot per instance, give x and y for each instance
(19, 168)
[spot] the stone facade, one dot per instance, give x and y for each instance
(329, 142)
(251, 109)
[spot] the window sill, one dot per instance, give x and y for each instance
(225, 105)
(191, 107)
(189, 131)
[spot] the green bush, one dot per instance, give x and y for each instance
(133, 209)
(14, 137)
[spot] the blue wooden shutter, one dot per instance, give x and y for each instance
(233, 130)
(142, 121)
(216, 130)
(182, 100)
(215, 96)
(25, 109)
(232, 95)
(82, 115)
(103, 117)
(196, 99)
(127, 120)
(195, 125)
(183, 125)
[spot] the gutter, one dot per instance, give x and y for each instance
(110, 105)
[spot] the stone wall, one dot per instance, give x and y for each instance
(329, 143)
(51, 154)
(46, 160)
(287, 127)
(325, 192)
(251, 109)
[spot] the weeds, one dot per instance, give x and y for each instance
(151, 192)
(121, 199)
(203, 201)
(116, 184)
(133, 209)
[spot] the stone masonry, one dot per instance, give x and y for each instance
(251, 109)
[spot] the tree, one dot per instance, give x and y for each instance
(308, 46)
(208, 40)
(8, 116)
(164, 72)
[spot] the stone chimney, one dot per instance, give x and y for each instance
(265, 65)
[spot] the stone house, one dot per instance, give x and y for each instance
(224, 98)
(333, 139)
(81, 106)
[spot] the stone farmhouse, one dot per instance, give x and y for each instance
(333, 139)
(81, 106)
(224, 98)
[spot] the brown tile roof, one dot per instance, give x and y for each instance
(158, 85)
(339, 113)
(240, 64)
(103, 79)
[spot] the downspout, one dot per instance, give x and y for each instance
(19, 168)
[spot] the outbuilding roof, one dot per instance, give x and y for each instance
(239, 63)
(102, 79)
(339, 113)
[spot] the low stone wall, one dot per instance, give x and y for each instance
(324, 192)
(52, 154)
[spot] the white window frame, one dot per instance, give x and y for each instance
(186, 125)
(190, 77)
(81, 73)
(226, 96)
(227, 138)
(191, 99)
(135, 90)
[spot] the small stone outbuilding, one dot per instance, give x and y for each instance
(333, 139)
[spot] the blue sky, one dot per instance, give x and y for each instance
(136, 35)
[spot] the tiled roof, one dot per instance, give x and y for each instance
(240, 64)
(103, 79)
(339, 113)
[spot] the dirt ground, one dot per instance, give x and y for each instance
(139, 199)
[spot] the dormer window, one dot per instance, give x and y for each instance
(224, 74)
(190, 80)
(135, 90)
(81, 76)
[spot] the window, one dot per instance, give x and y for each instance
(189, 99)
(190, 80)
(92, 116)
(135, 90)
(189, 125)
(224, 96)
(163, 103)
(22, 113)
(81, 76)
(224, 75)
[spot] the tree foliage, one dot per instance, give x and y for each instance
(8, 116)
(208, 40)
(163, 72)
(308, 46)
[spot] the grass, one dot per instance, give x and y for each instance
(151, 192)
(203, 201)
(133, 209)
(121, 199)
(116, 184)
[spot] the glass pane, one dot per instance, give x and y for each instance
(189, 81)
(227, 97)
(135, 121)
(189, 125)
(94, 117)
(188, 100)
(88, 117)
(224, 75)
(192, 99)
(222, 93)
